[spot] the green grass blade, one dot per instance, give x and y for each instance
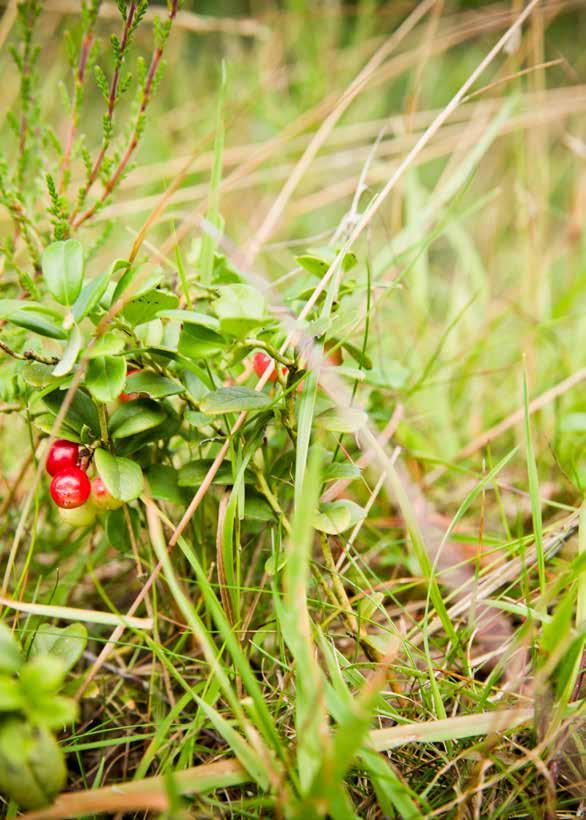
(534, 489)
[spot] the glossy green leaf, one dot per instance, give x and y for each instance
(147, 306)
(38, 375)
(34, 317)
(122, 477)
(153, 333)
(153, 384)
(109, 344)
(105, 377)
(318, 265)
(163, 482)
(233, 400)
(191, 317)
(240, 308)
(198, 342)
(93, 291)
(197, 380)
(141, 284)
(197, 419)
(194, 472)
(63, 264)
(117, 528)
(136, 417)
(82, 411)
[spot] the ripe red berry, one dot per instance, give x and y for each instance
(129, 396)
(62, 454)
(102, 497)
(260, 362)
(70, 488)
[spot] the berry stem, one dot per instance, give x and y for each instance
(103, 418)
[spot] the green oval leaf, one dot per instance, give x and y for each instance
(147, 306)
(105, 377)
(108, 345)
(82, 411)
(122, 477)
(67, 643)
(38, 375)
(240, 308)
(193, 473)
(144, 285)
(136, 417)
(33, 316)
(90, 296)
(336, 517)
(163, 483)
(154, 385)
(197, 342)
(117, 528)
(191, 317)
(233, 400)
(62, 264)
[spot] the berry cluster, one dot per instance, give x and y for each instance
(77, 497)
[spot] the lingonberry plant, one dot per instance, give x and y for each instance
(144, 390)
(194, 508)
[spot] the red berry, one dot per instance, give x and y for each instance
(62, 454)
(260, 362)
(70, 488)
(129, 396)
(102, 497)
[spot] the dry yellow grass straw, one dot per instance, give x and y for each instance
(7, 21)
(324, 131)
(70, 613)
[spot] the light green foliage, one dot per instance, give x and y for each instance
(32, 765)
